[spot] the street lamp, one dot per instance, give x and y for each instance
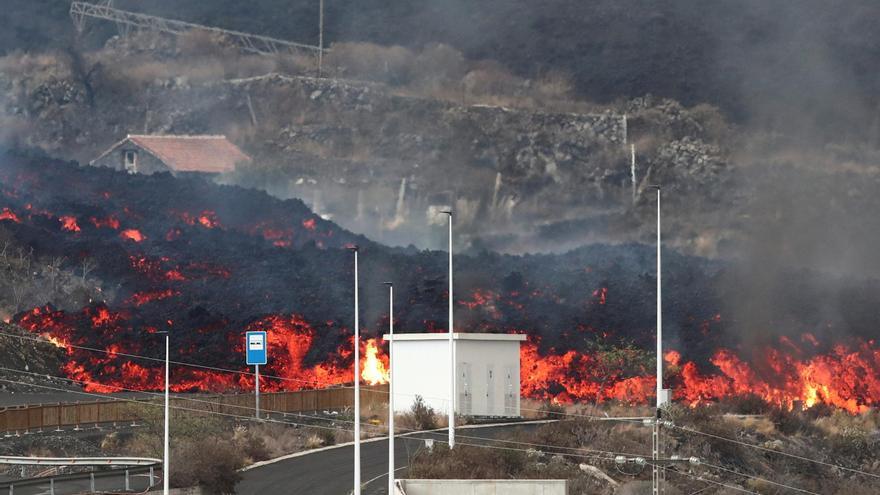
(657, 474)
(661, 399)
(390, 388)
(166, 457)
(451, 345)
(357, 381)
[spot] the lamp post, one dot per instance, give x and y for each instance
(657, 474)
(451, 345)
(166, 456)
(660, 399)
(390, 388)
(357, 381)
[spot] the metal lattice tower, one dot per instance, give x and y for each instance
(254, 43)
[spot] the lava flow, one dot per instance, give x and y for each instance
(207, 264)
(846, 378)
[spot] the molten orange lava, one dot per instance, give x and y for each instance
(110, 222)
(133, 235)
(8, 214)
(68, 223)
(846, 378)
(141, 298)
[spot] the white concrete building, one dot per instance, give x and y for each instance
(487, 375)
(483, 487)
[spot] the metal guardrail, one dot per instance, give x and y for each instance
(91, 476)
(79, 461)
(254, 43)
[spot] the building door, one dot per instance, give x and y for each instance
(465, 397)
(510, 392)
(490, 390)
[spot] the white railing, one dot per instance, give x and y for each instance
(79, 461)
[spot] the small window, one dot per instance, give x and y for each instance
(130, 161)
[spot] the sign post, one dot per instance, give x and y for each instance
(255, 343)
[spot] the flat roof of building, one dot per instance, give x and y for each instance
(516, 337)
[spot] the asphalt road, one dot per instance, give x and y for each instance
(331, 471)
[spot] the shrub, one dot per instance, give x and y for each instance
(423, 415)
(552, 410)
(251, 445)
(386, 64)
(744, 404)
(439, 64)
(207, 462)
(791, 422)
(492, 79)
(467, 462)
(555, 85)
(327, 436)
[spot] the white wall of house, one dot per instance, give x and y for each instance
(487, 372)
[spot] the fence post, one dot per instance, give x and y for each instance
(92, 481)
(152, 479)
(127, 482)
(51, 486)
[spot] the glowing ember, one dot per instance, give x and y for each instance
(56, 341)
(8, 214)
(141, 298)
(601, 295)
(133, 235)
(68, 223)
(110, 222)
(309, 224)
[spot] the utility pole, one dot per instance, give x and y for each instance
(451, 345)
(166, 460)
(321, 38)
(661, 398)
(357, 382)
(390, 388)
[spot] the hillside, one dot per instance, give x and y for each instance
(209, 261)
(763, 63)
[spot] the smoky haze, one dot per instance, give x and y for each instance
(795, 139)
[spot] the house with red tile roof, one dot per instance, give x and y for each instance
(150, 154)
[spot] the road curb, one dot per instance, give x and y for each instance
(378, 439)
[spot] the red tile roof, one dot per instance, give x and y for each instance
(193, 153)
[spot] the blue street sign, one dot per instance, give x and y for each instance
(255, 345)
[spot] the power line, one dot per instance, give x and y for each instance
(700, 478)
(311, 382)
(608, 455)
(248, 408)
(252, 419)
(763, 480)
(779, 452)
(120, 399)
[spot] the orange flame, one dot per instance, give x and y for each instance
(374, 370)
